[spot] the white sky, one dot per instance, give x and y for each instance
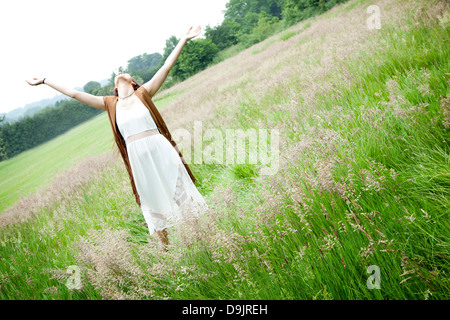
(74, 42)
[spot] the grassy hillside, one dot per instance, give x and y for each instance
(362, 182)
(34, 168)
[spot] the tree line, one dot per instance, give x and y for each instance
(245, 23)
(42, 126)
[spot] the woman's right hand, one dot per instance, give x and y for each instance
(35, 82)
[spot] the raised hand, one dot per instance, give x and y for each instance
(193, 32)
(35, 82)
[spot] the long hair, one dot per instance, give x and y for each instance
(135, 87)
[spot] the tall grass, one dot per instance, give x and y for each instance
(363, 178)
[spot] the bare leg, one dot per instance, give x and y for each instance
(163, 236)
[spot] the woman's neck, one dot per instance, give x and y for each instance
(124, 90)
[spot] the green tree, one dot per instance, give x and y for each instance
(238, 9)
(224, 35)
(44, 125)
(294, 11)
(3, 154)
(111, 78)
(246, 12)
(266, 26)
(144, 66)
(171, 43)
(196, 56)
(240, 20)
(92, 87)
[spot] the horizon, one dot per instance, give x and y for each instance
(57, 94)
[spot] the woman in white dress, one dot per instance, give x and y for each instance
(166, 191)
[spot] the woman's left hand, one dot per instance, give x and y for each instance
(35, 82)
(193, 32)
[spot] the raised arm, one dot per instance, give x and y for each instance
(83, 97)
(153, 85)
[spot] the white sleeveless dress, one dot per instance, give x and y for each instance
(166, 191)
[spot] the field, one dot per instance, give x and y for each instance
(357, 209)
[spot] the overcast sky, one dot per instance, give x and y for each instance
(74, 42)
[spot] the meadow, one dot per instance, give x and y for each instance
(358, 208)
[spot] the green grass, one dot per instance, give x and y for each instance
(34, 168)
(161, 102)
(369, 186)
(287, 35)
(228, 53)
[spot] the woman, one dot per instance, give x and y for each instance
(160, 178)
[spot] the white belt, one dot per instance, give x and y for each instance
(141, 135)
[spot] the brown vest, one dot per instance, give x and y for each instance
(110, 104)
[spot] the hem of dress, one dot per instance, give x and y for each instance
(189, 204)
(200, 208)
